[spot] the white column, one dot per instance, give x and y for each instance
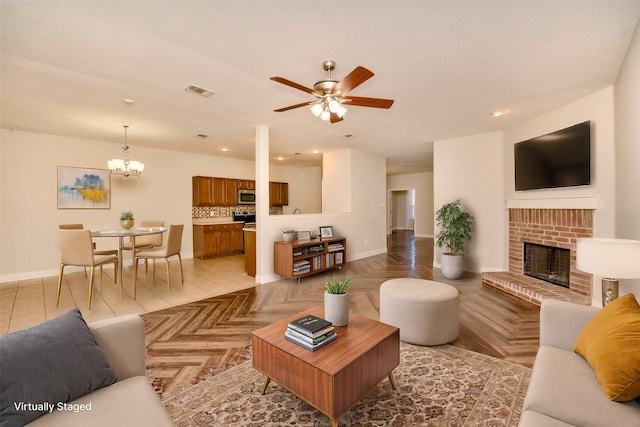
(262, 198)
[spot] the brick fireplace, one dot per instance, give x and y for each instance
(556, 228)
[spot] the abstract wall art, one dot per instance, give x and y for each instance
(83, 188)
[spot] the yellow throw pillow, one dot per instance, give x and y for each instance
(610, 343)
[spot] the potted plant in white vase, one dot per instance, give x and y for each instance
(336, 301)
(454, 229)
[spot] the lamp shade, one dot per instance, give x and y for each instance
(610, 258)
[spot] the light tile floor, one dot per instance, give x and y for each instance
(29, 302)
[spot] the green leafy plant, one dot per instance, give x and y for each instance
(455, 227)
(337, 286)
(128, 215)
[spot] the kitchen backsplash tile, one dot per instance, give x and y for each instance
(219, 211)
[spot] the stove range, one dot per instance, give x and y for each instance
(244, 217)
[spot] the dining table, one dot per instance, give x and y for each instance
(132, 233)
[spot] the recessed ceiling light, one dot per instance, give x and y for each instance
(128, 101)
(497, 113)
(279, 158)
(315, 151)
(224, 149)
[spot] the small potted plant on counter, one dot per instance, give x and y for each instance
(336, 301)
(126, 219)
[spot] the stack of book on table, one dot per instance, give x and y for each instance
(310, 332)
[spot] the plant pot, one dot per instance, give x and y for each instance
(452, 266)
(336, 308)
(126, 223)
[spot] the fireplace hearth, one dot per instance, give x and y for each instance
(548, 263)
(558, 228)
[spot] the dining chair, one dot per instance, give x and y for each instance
(171, 247)
(76, 249)
(77, 226)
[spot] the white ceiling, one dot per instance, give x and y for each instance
(67, 66)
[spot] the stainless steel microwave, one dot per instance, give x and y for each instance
(246, 197)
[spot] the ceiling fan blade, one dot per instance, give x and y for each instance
(368, 102)
(354, 79)
(291, 107)
(293, 85)
(334, 118)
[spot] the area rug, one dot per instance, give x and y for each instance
(436, 386)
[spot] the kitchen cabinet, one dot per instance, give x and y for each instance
(247, 184)
(231, 193)
(278, 193)
(209, 191)
(202, 190)
(219, 191)
(212, 240)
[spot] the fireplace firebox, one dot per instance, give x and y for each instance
(548, 263)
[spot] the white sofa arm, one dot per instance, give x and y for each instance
(561, 322)
(121, 339)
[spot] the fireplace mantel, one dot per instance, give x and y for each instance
(554, 203)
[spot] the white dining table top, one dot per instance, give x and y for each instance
(123, 232)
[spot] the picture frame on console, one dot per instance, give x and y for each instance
(326, 231)
(303, 236)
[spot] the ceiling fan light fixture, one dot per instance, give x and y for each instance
(329, 93)
(334, 105)
(316, 109)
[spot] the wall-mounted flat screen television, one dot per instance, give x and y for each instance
(558, 159)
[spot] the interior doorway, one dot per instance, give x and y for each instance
(402, 210)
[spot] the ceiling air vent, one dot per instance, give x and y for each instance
(199, 90)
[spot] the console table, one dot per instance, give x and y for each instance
(297, 259)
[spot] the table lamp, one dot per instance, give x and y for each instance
(612, 259)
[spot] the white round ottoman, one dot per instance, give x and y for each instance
(426, 312)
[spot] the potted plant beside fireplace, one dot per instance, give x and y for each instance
(454, 230)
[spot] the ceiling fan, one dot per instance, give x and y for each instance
(333, 95)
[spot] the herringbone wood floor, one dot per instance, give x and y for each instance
(187, 342)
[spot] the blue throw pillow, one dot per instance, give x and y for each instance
(47, 365)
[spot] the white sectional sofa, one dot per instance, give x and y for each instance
(129, 401)
(564, 390)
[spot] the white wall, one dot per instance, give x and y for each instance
(627, 131)
(423, 185)
(305, 187)
(336, 181)
(470, 169)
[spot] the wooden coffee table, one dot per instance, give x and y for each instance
(335, 377)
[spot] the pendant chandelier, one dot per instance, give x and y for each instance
(125, 167)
